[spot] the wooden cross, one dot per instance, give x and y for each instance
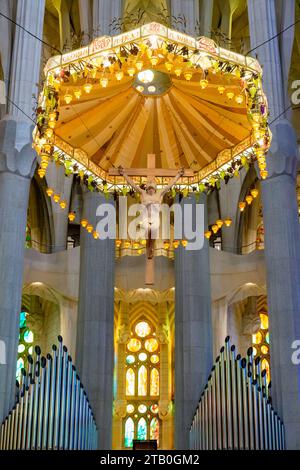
(151, 172)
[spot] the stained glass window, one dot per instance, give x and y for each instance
(129, 432)
(142, 384)
(142, 381)
(261, 340)
(130, 382)
(26, 338)
(143, 329)
(134, 345)
(154, 429)
(151, 344)
(142, 429)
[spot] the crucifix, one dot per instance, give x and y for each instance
(151, 198)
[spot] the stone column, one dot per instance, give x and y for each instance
(193, 333)
(103, 14)
(95, 326)
(282, 254)
(190, 10)
(16, 170)
(205, 17)
(26, 57)
(85, 20)
(120, 399)
(282, 241)
(263, 26)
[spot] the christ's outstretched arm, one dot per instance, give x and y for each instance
(129, 180)
(167, 188)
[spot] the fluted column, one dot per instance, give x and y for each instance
(263, 26)
(26, 57)
(16, 170)
(282, 254)
(190, 10)
(95, 326)
(282, 240)
(103, 14)
(193, 333)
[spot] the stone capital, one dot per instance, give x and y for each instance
(165, 407)
(120, 408)
(283, 156)
(16, 158)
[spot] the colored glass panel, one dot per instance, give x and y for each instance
(130, 409)
(264, 321)
(264, 349)
(151, 344)
(268, 338)
(154, 429)
(142, 381)
(21, 348)
(142, 429)
(129, 432)
(22, 319)
(154, 382)
(143, 357)
(143, 329)
(134, 345)
(265, 365)
(130, 382)
(142, 409)
(130, 359)
(154, 358)
(154, 408)
(28, 336)
(257, 338)
(20, 365)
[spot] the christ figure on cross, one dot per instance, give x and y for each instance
(151, 199)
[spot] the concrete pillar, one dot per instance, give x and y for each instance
(205, 17)
(282, 254)
(281, 225)
(63, 12)
(193, 333)
(95, 326)
(103, 14)
(26, 57)
(85, 19)
(263, 26)
(16, 170)
(190, 10)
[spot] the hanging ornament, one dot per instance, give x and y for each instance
(77, 94)
(166, 245)
(254, 193)
(89, 228)
(215, 228)
(139, 65)
(84, 223)
(221, 89)
(49, 192)
(188, 75)
(230, 95)
(207, 234)
(68, 98)
(104, 82)
(95, 235)
(56, 198)
(228, 221)
(239, 99)
(41, 172)
(242, 206)
(204, 83)
(72, 216)
(178, 71)
(184, 243)
(169, 66)
(219, 223)
(63, 204)
(249, 200)
(119, 75)
(175, 244)
(88, 87)
(118, 243)
(127, 244)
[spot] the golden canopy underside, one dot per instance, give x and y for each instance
(186, 126)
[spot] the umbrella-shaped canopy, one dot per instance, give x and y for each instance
(191, 103)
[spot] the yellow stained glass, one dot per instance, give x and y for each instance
(154, 382)
(142, 329)
(257, 338)
(143, 356)
(264, 349)
(142, 381)
(151, 344)
(265, 365)
(154, 430)
(264, 321)
(130, 382)
(154, 359)
(134, 345)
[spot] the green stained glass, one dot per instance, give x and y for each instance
(22, 319)
(130, 359)
(129, 432)
(20, 365)
(142, 429)
(268, 338)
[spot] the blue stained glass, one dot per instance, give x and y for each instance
(28, 336)
(142, 429)
(22, 319)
